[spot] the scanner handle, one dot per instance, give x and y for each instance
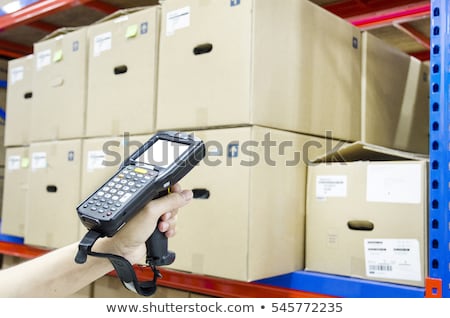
(158, 253)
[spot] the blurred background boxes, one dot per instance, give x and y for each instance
(59, 86)
(55, 169)
(15, 191)
(122, 73)
(395, 97)
(19, 101)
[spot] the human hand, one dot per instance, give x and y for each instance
(129, 242)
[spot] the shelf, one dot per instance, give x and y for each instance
(190, 282)
(301, 284)
(439, 238)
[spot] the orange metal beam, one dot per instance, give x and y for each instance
(37, 11)
(421, 55)
(433, 288)
(44, 26)
(396, 15)
(101, 6)
(206, 285)
(352, 8)
(414, 33)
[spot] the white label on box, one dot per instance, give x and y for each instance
(95, 160)
(102, 42)
(43, 59)
(331, 186)
(393, 259)
(38, 160)
(17, 74)
(121, 19)
(14, 162)
(178, 19)
(394, 183)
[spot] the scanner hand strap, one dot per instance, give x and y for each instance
(122, 266)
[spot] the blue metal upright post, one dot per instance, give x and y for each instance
(439, 203)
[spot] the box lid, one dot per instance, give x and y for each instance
(361, 151)
(122, 13)
(59, 33)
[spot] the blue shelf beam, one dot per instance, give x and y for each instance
(341, 286)
(439, 256)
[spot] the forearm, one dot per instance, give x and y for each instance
(54, 274)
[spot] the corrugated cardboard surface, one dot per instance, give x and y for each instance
(391, 196)
(15, 191)
(123, 102)
(19, 101)
(54, 193)
(395, 100)
(59, 87)
(252, 224)
(271, 66)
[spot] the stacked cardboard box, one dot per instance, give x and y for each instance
(267, 85)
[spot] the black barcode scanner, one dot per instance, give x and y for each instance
(146, 175)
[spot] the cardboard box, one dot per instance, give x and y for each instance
(51, 219)
(15, 191)
(122, 73)
(247, 222)
(112, 287)
(366, 216)
(59, 86)
(290, 65)
(395, 97)
(19, 101)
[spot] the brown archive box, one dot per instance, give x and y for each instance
(59, 86)
(395, 97)
(247, 221)
(19, 101)
(122, 73)
(366, 215)
(15, 191)
(54, 193)
(287, 64)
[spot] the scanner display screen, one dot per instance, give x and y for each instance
(162, 153)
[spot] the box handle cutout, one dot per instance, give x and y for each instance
(52, 189)
(203, 49)
(201, 194)
(28, 95)
(358, 225)
(121, 69)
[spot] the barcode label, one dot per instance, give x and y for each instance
(395, 259)
(373, 268)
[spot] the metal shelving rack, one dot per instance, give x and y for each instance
(309, 284)
(439, 256)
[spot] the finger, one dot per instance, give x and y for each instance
(170, 202)
(176, 188)
(166, 225)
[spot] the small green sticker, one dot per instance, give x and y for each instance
(132, 31)
(25, 163)
(57, 56)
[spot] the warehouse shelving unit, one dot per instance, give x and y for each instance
(311, 284)
(439, 255)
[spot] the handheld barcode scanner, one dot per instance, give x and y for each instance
(146, 175)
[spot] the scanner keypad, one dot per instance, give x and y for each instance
(108, 199)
